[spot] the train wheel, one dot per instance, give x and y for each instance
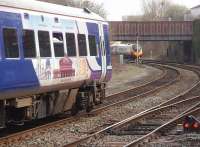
(90, 102)
(96, 99)
(103, 95)
(74, 109)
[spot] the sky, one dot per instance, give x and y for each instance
(118, 8)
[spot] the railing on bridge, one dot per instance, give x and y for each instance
(151, 31)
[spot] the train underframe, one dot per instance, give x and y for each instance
(16, 111)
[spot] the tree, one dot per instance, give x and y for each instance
(162, 10)
(97, 8)
(94, 7)
(176, 12)
(154, 9)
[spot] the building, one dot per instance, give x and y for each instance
(193, 13)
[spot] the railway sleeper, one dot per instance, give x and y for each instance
(134, 129)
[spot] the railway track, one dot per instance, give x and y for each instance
(169, 77)
(172, 103)
(131, 93)
(142, 126)
(164, 128)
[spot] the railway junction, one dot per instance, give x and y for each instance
(145, 113)
(65, 96)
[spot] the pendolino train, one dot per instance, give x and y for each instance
(128, 50)
(52, 59)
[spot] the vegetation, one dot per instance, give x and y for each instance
(163, 10)
(93, 6)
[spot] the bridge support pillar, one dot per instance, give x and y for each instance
(187, 50)
(180, 51)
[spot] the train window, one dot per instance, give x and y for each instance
(44, 44)
(11, 43)
(56, 20)
(29, 44)
(82, 45)
(71, 45)
(92, 45)
(58, 44)
(42, 18)
(26, 15)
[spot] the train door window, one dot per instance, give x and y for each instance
(44, 44)
(26, 16)
(71, 44)
(58, 44)
(11, 43)
(92, 45)
(29, 44)
(82, 45)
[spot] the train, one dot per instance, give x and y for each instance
(129, 50)
(53, 59)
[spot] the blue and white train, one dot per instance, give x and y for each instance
(52, 59)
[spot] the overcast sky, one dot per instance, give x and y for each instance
(118, 8)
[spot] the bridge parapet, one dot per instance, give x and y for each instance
(151, 31)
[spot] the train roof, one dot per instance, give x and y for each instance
(34, 5)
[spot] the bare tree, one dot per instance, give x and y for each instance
(93, 6)
(176, 12)
(162, 10)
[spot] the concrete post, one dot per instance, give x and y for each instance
(121, 59)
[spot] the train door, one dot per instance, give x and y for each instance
(103, 52)
(107, 48)
(20, 72)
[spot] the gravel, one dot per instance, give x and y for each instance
(132, 76)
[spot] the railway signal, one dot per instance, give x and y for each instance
(191, 124)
